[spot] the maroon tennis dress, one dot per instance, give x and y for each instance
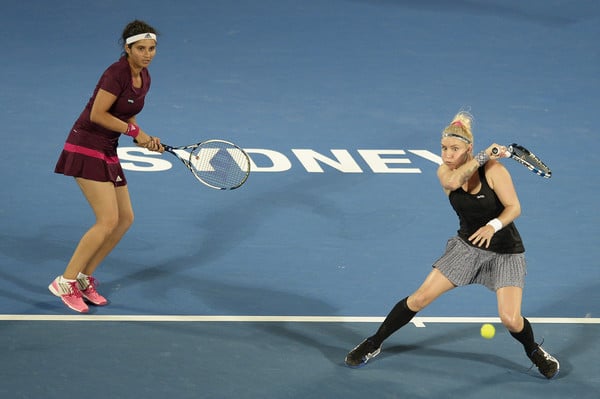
(90, 150)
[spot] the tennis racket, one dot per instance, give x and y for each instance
(218, 164)
(526, 158)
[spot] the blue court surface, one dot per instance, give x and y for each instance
(260, 292)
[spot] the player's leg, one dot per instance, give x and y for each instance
(434, 285)
(102, 198)
(509, 310)
(124, 222)
(103, 201)
(87, 283)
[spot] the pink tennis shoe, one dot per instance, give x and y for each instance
(87, 286)
(69, 293)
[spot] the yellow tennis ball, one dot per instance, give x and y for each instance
(488, 331)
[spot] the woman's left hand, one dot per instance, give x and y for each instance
(483, 236)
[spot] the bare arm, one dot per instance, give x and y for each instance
(452, 179)
(502, 184)
(100, 115)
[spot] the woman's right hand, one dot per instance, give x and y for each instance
(496, 151)
(149, 142)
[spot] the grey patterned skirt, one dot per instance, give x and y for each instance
(464, 264)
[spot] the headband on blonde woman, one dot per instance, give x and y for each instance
(141, 36)
(457, 136)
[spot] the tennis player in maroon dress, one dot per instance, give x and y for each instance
(90, 156)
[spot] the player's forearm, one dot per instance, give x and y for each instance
(455, 178)
(510, 214)
(108, 121)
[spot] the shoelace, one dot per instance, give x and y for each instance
(544, 354)
(91, 284)
(74, 289)
(532, 363)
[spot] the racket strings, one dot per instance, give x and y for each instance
(220, 164)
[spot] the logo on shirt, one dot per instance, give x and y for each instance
(130, 101)
(481, 196)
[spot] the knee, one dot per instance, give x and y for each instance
(512, 322)
(117, 222)
(116, 225)
(126, 220)
(418, 301)
(108, 224)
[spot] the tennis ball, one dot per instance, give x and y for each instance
(488, 331)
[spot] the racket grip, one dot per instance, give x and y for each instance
(496, 150)
(164, 146)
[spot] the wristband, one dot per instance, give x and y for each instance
(132, 130)
(495, 223)
(482, 157)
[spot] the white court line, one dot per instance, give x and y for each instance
(417, 321)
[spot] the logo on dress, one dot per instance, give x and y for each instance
(119, 179)
(130, 101)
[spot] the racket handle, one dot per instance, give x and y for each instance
(165, 146)
(496, 150)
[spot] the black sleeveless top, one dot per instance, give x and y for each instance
(475, 210)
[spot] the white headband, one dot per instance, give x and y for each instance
(141, 36)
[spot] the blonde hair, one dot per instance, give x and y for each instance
(460, 127)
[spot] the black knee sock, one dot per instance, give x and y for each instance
(525, 337)
(398, 317)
